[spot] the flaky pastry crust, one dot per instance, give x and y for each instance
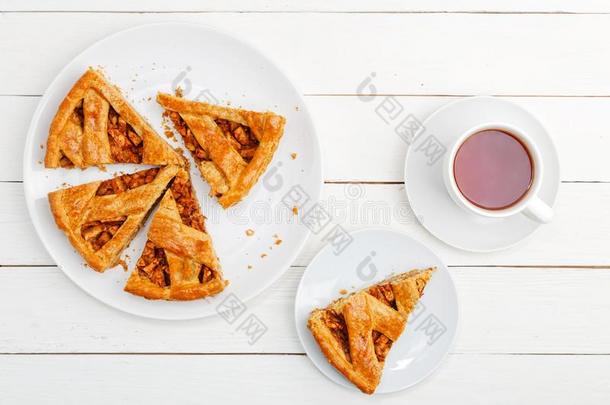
(356, 332)
(185, 266)
(102, 217)
(230, 164)
(85, 131)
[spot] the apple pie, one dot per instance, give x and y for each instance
(95, 125)
(232, 147)
(102, 217)
(178, 261)
(356, 332)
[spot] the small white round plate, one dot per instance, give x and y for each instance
(374, 255)
(208, 65)
(425, 187)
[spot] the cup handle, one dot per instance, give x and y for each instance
(538, 210)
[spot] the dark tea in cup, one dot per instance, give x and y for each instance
(493, 169)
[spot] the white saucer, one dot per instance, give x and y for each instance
(373, 255)
(426, 190)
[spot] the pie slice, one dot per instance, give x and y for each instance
(102, 217)
(178, 261)
(95, 125)
(356, 332)
(232, 147)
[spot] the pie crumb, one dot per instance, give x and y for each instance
(249, 267)
(293, 155)
(295, 210)
(123, 265)
(296, 108)
(278, 241)
(168, 132)
(249, 232)
(41, 146)
(263, 255)
(179, 92)
(343, 291)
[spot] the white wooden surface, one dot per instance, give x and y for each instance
(535, 319)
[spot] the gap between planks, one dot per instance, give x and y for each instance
(384, 183)
(268, 354)
(476, 12)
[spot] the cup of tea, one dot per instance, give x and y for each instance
(495, 170)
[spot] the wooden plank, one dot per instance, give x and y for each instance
(503, 310)
(359, 146)
(551, 6)
(431, 54)
(577, 236)
(15, 122)
(463, 379)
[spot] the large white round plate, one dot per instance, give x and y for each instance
(426, 191)
(374, 255)
(209, 65)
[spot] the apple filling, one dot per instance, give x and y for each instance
(153, 262)
(125, 144)
(240, 137)
(126, 182)
(98, 233)
(188, 206)
(336, 323)
(199, 154)
(153, 265)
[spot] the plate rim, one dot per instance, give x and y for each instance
(493, 99)
(44, 101)
(450, 346)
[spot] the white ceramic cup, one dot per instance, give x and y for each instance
(530, 204)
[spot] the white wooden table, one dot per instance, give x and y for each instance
(535, 319)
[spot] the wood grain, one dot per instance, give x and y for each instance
(412, 54)
(533, 334)
(359, 146)
(463, 379)
(502, 310)
(578, 236)
(549, 6)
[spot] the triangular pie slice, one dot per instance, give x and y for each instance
(356, 332)
(95, 125)
(178, 261)
(232, 147)
(102, 217)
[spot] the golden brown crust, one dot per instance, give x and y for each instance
(76, 209)
(188, 251)
(79, 130)
(364, 315)
(230, 175)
